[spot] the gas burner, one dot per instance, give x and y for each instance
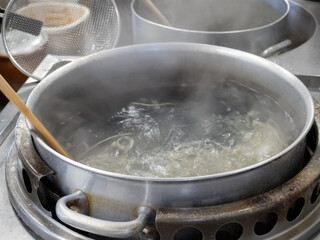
(277, 214)
(34, 196)
(289, 211)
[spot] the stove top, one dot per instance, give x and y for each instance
(303, 61)
(11, 226)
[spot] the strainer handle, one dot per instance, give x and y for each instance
(22, 23)
(72, 210)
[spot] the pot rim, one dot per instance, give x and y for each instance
(181, 46)
(283, 16)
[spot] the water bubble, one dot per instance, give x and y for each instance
(180, 138)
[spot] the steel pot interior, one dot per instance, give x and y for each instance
(215, 16)
(59, 101)
(249, 25)
(90, 86)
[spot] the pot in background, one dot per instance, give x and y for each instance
(249, 25)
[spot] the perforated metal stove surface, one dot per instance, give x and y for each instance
(303, 61)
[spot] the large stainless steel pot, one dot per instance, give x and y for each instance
(250, 25)
(89, 81)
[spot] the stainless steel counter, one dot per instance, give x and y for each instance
(11, 226)
(303, 61)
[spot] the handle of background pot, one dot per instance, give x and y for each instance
(71, 209)
(278, 47)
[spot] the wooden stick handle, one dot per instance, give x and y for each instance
(13, 97)
(163, 20)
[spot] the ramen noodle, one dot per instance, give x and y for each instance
(195, 134)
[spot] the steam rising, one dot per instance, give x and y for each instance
(215, 15)
(248, 25)
(185, 131)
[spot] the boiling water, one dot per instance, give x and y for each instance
(189, 133)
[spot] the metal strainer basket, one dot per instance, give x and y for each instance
(71, 29)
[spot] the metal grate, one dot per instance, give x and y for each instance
(69, 30)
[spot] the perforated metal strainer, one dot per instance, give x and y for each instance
(71, 29)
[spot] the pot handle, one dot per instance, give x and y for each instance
(278, 47)
(68, 210)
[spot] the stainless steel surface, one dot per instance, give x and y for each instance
(28, 197)
(9, 116)
(306, 226)
(171, 60)
(79, 218)
(289, 211)
(301, 28)
(11, 226)
(30, 211)
(251, 26)
(302, 60)
(277, 48)
(304, 21)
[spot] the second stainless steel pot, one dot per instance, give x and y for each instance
(83, 86)
(249, 25)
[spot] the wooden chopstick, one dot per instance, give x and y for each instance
(13, 97)
(163, 20)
